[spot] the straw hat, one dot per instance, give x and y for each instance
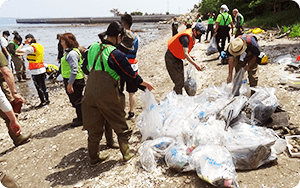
(237, 46)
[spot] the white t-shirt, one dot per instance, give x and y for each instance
(4, 42)
(30, 50)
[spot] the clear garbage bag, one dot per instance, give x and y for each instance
(212, 48)
(214, 164)
(190, 84)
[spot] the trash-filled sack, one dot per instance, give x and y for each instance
(285, 59)
(238, 81)
(153, 150)
(190, 84)
(214, 164)
(150, 121)
(263, 104)
(251, 146)
(212, 48)
(177, 157)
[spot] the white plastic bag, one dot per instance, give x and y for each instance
(238, 80)
(212, 48)
(190, 84)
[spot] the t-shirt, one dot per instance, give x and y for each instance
(224, 17)
(252, 47)
(4, 42)
(184, 40)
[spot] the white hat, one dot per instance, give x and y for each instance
(188, 17)
(226, 9)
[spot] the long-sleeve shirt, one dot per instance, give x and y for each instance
(73, 58)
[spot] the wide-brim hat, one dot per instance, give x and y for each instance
(237, 46)
(128, 40)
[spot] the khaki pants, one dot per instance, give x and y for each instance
(176, 71)
(103, 102)
(252, 71)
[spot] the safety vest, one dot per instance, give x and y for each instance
(242, 18)
(103, 64)
(225, 19)
(66, 69)
(210, 20)
(36, 59)
(175, 47)
(16, 46)
(247, 38)
(132, 53)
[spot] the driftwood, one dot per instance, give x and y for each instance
(284, 34)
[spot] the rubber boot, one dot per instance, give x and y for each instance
(127, 154)
(8, 181)
(109, 138)
(96, 158)
(19, 139)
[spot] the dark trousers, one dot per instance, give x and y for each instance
(176, 72)
(222, 34)
(210, 29)
(76, 96)
(40, 85)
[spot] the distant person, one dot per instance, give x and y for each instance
(222, 28)
(4, 44)
(210, 26)
(188, 22)
(179, 47)
(17, 58)
(198, 18)
(175, 27)
(59, 55)
(244, 52)
(35, 56)
(6, 110)
(103, 100)
(72, 74)
(126, 20)
(239, 22)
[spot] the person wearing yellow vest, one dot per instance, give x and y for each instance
(239, 21)
(222, 27)
(72, 74)
(35, 56)
(179, 47)
(103, 100)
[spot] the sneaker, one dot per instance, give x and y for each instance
(130, 115)
(47, 102)
(41, 105)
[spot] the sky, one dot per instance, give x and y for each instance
(89, 8)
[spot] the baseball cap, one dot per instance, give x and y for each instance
(114, 29)
(200, 27)
(29, 36)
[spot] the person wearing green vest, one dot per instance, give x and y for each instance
(222, 27)
(188, 22)
(72, 74)
(103, 100)
(239, 21)
(17, 58)
(210, 26)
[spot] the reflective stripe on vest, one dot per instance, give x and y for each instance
(92, 54)
(66, 69)
(175, 47)
(36, 59)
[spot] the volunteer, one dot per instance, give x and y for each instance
(239, 21)
(210, 26)
(244, 52)
(188, 22)
(35, 56)
(222, 27)
(179, 47)
(103, 100)
(72, 74)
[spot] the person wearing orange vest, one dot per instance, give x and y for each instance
(179, 47)
(244, 52)
(35, 56)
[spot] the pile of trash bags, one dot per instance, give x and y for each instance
(210, 133)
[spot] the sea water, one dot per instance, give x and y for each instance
(86, 35)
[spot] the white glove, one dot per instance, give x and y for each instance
(242, 56)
